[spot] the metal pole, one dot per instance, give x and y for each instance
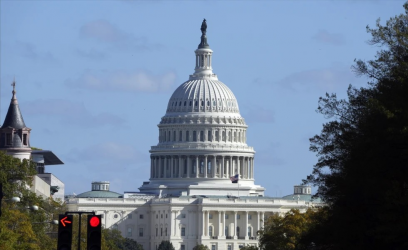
(79, 232)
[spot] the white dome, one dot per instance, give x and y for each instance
(203, 95)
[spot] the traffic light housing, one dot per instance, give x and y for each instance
(94, 232)
(64, 232)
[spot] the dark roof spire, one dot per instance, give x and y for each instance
(203, 43)
(14, 118)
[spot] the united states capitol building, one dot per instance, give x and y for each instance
(190, 198)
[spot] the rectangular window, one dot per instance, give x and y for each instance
(157, 231)
(161, 231)
(141, 232)
(226, 216)
(210, 216)
(238, 216)
(229, 247)
(129, 232)
(141, 216)
(182, 247)
(25, 139)
(183, 216)
(8, 139)
(213, 247)
(249, 217)
(183, 231)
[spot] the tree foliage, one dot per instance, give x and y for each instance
(20, 227)
(201, 247)
(362, 167)
(166, 245)
(285, 232)
(113, 240)
(249, 247)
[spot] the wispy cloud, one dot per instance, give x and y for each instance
(106, 32)
(328, 79)
(256, 113)
(71, 113)
(140, 81)
(324, 36)
(30, 51)
(91, 54)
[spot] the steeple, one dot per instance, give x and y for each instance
(14, 119)
(203, 53)
(14, 135)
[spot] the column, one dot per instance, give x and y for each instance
(235, 225)
(231, 171)
(258, 219)
(205, 166)
(179, 166)
(171, 166)
(262, 219)
(159, 165)
(246, 225)
(188, 166)
(151, 167)
(223, 223)
(197, 167)
(253, 167)
(222, 168)
(219, 224)
(214, 167)
(165, 167)
(239, 167)
(207, 224)
(203, 224)
(175, 222)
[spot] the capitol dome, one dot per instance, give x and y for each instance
(202, 138)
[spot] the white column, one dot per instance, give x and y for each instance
(231, 170)
(258, 221)
(222, 168)
(197, 166)
(188, 166)
(219, 224)
(214, 166)
(203, 224)
(175, 222)
(223, 223)
(207, 224)
(179, 166)
(246, 225)
(262, 219)
(253, 167)
(205, 166)
(239, 167)
(171, 166)
(165, 167)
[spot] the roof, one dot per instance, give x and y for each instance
(99, 194)
(302, 197)
(14, 118)
(49, 157)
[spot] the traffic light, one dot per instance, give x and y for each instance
(94, 232)
(64, 232)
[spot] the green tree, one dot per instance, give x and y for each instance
(113, 240)
(362, 167)
(166, 245)
(285, 232)
(248, 247)
(201, 247)
(17, 219)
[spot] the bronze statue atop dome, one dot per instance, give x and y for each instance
(203, 43)
(204, 27)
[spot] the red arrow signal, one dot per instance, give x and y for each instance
(64, 220)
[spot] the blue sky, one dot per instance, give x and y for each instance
(94, 77)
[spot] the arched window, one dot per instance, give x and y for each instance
(180, 104)
(223, 136)
(202, 136)
(229, 136)
(185, 103)
(235, 136)
(239, 136)
(196, 103)
(226, 231)
(174, 136)
(161, 231)
(191, 103)
(169, 136)
(217, 136)
(194, 136)
(209, 135)
(208, 103)
(165, 136)
(180, 135)
(165, 232)
(210, 231)
(187, 135)
(202, 103)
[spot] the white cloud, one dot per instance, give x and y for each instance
(70, 113)
(330, 38)
(139, 81)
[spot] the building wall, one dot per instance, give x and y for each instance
(151, 221)
(40, 187)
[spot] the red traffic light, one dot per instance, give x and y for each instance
(94, 221)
